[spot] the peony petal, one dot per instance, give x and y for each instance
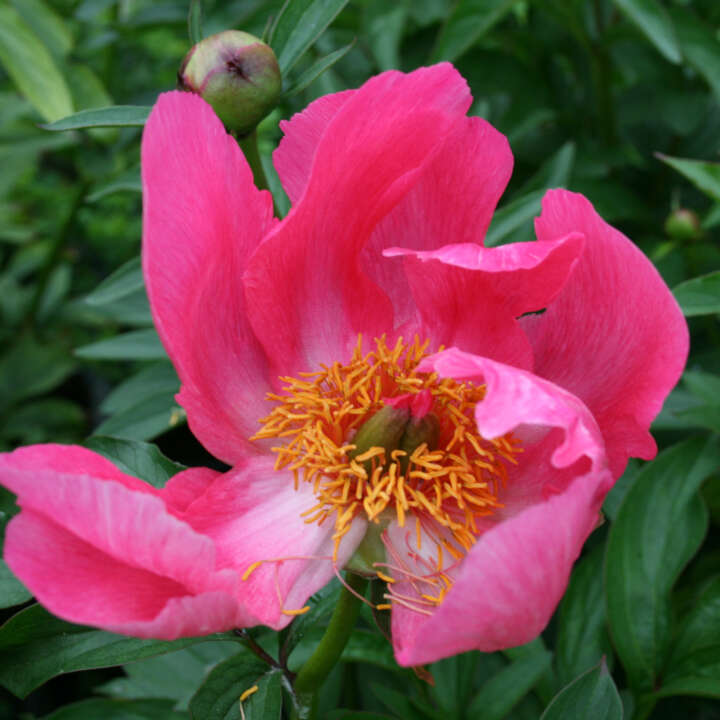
(82, 584)
(510, 582)
(307, 297)
(97, 546)
(293, 158)
(615, 336)
(202, 217)
(254, 516)
(470, 296)
(452, 202)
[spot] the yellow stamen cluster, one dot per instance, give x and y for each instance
(443, 490)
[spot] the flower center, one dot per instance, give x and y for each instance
(375, 437)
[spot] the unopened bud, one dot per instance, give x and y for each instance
(683, 224)
(237, 74)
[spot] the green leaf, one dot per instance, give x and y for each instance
(195, 21)
(218, 698)
(357, 715)
(370, 647)
(97, 709)
(653, 21)
(115, 116)
(699, 296)
(384, 25)
(511, 216)
(138, 459)
(31, 67)
(266, 702)
(8, 509)
(133, 310)
(126, 279)
(298, 25)
(615, 497)
(317, 69)
(401, 705)
(47, 25)
(505, 689)
(456, 680)
(659, 527)
(555, 172)
(36, 646)
(705, 176)
(145, 420)
(88, 90)
(468, 22)
(127, 181)
(12, 591)
(29, 368)
(694, 664)
(174, 675)
(699, 45)
(592, 695)
(156, 379)
(582, 639)
(703, 385)
(134, 345)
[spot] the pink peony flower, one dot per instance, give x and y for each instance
(514, 383)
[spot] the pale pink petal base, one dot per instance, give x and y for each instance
(255, 516)
(510, 582)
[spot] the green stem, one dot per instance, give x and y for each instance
(313, 673)
(249, 146)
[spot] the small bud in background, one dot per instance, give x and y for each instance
(683, 224)
(237, 74)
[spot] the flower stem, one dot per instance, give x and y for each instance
(313, 673)
(249, 146)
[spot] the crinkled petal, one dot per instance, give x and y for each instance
(509, 583)
(470, 296)
(97, 546)
(255, 516)
(615, 336)
(452, 202)
(202, 217)
(307, 296)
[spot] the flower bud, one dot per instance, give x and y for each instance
(237, 74)
(683, 224)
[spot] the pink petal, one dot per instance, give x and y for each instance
(510, 582)
(470, 296)
(615, 336)
(202, 218)
(97, 546)
(452, 202)
(293, 157)
(254, 516)
(82, 584)
(307, 297)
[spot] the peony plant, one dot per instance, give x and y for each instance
(394, 399)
